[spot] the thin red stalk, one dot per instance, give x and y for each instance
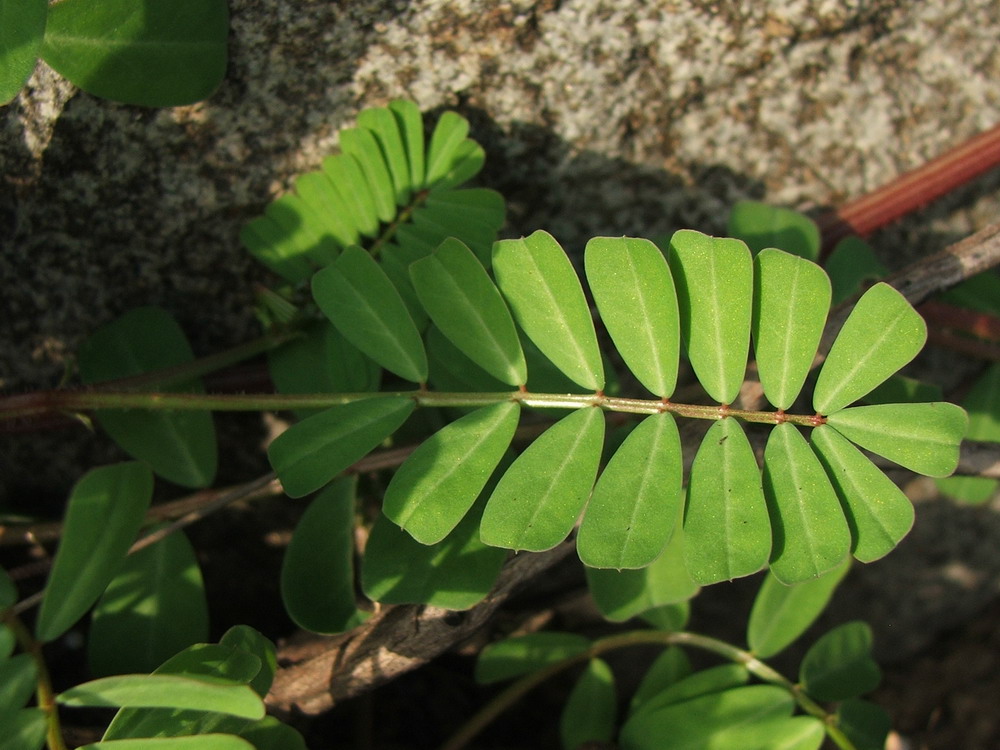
(979, 324)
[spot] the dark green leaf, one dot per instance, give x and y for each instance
(981, 292)
(513, 657)
(762, 226)
(450, 370)
(200, 742)
(782, 613)
(714, 278)
(22, 25)
(8, 591)
(475, 215)
(154, 607)
(7, 641)
(864, 723)
(271, 734)
(589, 713)
(306, 231)
(103, 516)
(983, 406)
(180, 445)
(150, 53)
(705, 682)
(246, 639)
(545, 295)
(539, 499)
(669, 618)
(671, 666)
(839, 665)
(311, 453)
(903, 390)
(439, 482)
(317, 575)
(726, 527)
(17, 681)
(24, 729)
(357, 296)
(850, 265)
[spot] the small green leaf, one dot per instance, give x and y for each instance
(17, 681)
(726, 526)
(361, 144)
(850, 265)
(782, 613)
(179, 446)
(924, 438)
(671, 666)
(357, 296)
(317, 574)
(539, 499)
(24, 729)
(810, 533)
(882, 333)
(452, 158)
(411, 126)
(328, 205)
(704, 682)
(513, 657)
(466, 307)
(154, 607)
(166, 691)
(349, 182)
(791, 300)
(839, 665)
(149, 53)
(589, 713)
(864, 723)
(271, 734)
(714, 278)
(635, 294)
(382, 124)
(22, 26)
(632, 511)
(103, 516)
(246, 639)
(878, 513)
(545, 295)
(200, 742)
(763, 226)
(311, 453)
(439, 482)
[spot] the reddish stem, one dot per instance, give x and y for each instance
(978, 324)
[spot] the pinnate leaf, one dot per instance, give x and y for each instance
(589, 713)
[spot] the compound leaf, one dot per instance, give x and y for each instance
(22, 26)
(589, 713)
(924, 438)
(762, 226)
(714, 279)
(545, 295)
(635, 294)
(726, 527)
(839, 665)
(439, 482)
(882, 333)
(103, 516)
(312, 452)
(513, 657)
(540, 496)
(791, 300)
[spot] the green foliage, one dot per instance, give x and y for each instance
(22, 26)
(589, 713)
(839, 665)
(763, 226)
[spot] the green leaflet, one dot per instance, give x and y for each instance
(349, 182)
(839, 665)
(671, 666)
(703, 682)
(632, 511)
(450, 370)
(924, 438)
(327, 204)
(466, 306)
(882, 333)
(513, 657)
(439, 482)
(199, 742)
(866, 724)
(317, 574)
(810, 533)
(452, 158)
(381, 123)
(154, 607)
(304, 228)
(878, 513)
(271, 734)
(312, 452)
(763, 226)
(245, 639)
(541, 495)
(148, 53)
(103, 516)
(411, 126)
(791, 300)
(852, 263)
(635, 294)
(166, 691)
(22, 25)
(357, 296)
(782, 613)
(589, 713)
(179, 446)
(726, 527)
(24, 729)
(474, 216)
(361, 144)
(17, 682)
(545, 295)
(714, 279)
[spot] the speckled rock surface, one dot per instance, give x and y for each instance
(597, 117)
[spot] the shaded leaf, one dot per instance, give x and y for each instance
(22, 26)
(589, 712)
(671, 666)
(271, 734)
(269, 243)
(349, 182)
(866, 724)
(103, 516)
(452, 158)
(382, 124)
(513, 657)
(450, 370)
(669, 618)
(411, 127)
(850, 265)
(327, 204)
(900, 389)
(24, 729)
(839, 665)
(246, 639)
(703, 682)
(763, 226)
(983, 406)
(361, 144)
(8, 591)
(17, 681)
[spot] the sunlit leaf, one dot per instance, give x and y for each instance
(727, 533)
(671, 666)
(850, 265)
(539, 499)
(466, 306)
(545, 295)
(103, 516)
(791, 300)
(361, 144)
(513, 657)
(589, 712)
(326, 202)
(439, 482)
(763, 226)
(878, 513)
(882, 333)
(357, 296)
(200, 742)
(312, 452)
(924, 438)
(382, 124)
(22, 25)
(839, 665)
(178, 445)
(635, 294)
(810, 533)
(348, 180)
(714, 278)
(452, 158)
(317, 574)
(782, 613)
(154, 607)
(865, 724)
(703, 682)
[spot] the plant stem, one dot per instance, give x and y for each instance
(759, 669)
